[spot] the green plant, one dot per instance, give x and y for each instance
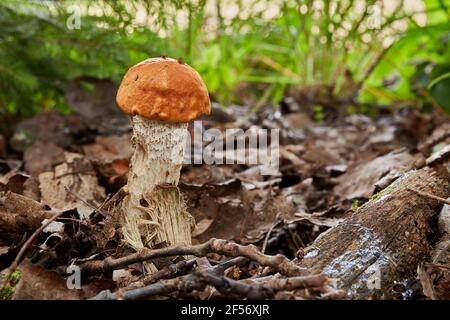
(415, 65)
(7, 290)
(342, 53)
(355, 204)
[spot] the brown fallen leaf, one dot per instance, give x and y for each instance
(316, 219)
(72, 185)
(14, 182)
(199, 175)
(50, 126)
(42, 156)
(37, 283)
(229, 211)
(107, 149)
(360, 179)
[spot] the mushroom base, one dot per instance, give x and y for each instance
(154, 210)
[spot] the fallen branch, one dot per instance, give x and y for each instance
(260, 290)
(239, 288)
(278, 263)
(30, 240)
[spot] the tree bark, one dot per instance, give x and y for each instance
(385, 239)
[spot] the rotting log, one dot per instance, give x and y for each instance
(385, 239)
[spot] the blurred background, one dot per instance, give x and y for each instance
(348, 56)
(358, 89)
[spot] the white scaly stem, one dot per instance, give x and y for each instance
(154, 209)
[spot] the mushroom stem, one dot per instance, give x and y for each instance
(154, 209)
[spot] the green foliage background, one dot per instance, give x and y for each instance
(307, 44)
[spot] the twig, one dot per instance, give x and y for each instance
(73, 173)
(172, 271)
(96, 209)
(438, 265)
(267, 237)
(241, 288)
(165, 287)
(182, 268)
(262, 289)
(278, 263)
(430, 196)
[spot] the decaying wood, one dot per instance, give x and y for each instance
(19, 215)
(385, 239)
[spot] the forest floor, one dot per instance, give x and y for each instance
(331, 176)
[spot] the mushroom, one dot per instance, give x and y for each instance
(161, 95)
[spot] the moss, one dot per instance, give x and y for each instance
(7, 292)
(15, 276)
(375, 195)
(8, 289)
(355, 204)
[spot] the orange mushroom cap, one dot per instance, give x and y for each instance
(163, 89)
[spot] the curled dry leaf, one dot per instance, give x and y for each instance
(4, 250)
(360, 180)
(200, 175)
(106, 149)
(111, 156)
(229, 211)
(217, 208)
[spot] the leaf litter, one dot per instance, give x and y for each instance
(58, 162)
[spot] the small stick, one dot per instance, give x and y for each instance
(438, 265)
(181, 268)
(430, 196)
(165, 287)
(96, 209)
(73, 173)
(172, 271)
